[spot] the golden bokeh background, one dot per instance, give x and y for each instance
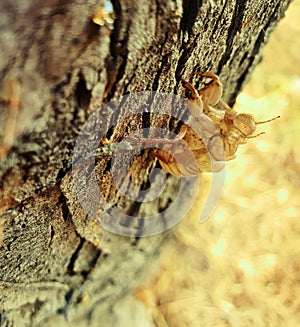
(242, 266)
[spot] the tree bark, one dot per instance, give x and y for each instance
(57, 265)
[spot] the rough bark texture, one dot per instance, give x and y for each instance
(55, 267)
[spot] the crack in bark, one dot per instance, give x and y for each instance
(82, 241)
(163, 61)
(92, 264)
(62, 172)
(66, 214)
(74, 257)
(116, 63)
(51, 236)
(216, 25)
(190, 12)
(234, 28)
(83, 96)
(256, 49)
(130, 79)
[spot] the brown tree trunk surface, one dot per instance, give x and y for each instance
(65, 59)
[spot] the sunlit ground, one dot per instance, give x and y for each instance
(242, 266)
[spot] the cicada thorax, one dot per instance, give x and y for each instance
(200, 152)
(179, 159)
(177, 163)
(231, 143)
(187, 163)
(167, 161)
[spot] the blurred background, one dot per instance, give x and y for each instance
(242, 266)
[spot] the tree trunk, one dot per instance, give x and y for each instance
(59, 62)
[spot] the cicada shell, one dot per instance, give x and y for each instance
(206, 147)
